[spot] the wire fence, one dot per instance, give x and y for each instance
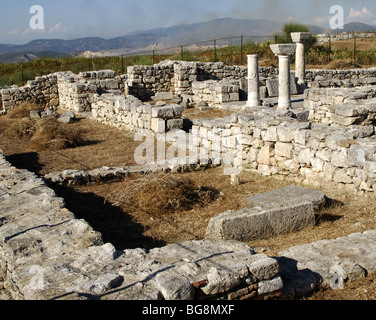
(356, 50)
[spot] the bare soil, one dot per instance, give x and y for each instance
(130, 215)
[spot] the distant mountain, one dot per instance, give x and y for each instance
(356, 27)
(161, 38)
(8, 58)
(158, 38)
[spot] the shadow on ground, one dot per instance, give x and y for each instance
(115, 225)
(28, 161)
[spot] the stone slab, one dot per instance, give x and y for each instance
(268, 214)
(251, 224)
(287, 197)
(273, 86)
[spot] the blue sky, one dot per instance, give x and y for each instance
(71, 19)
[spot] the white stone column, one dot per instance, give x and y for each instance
(253, 81)
(300, 38)
(284, 100)
(300, 63)
(284, 51)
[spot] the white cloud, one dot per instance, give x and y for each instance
(321, 21)
(14, 32)
(364, 15)
(58, 28)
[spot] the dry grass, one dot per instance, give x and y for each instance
(49, 134)
(102, 145)
(341, 65)
(161, 194)
(23, 110)
(43, 134)
(167, 208)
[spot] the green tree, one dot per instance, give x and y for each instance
(290, 27)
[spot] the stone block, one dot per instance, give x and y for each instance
(272, 86)
(340, 176)
(158, 125)
(263, 156)
(255, 223)
(175, 124)
(268, 214)
(291, 195)
(284, 150)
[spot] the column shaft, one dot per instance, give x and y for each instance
(300, 63)
(253, 81)
(284, 100)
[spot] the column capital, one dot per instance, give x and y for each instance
(284, 49)
(300, 37)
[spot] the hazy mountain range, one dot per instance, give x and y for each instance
(158, 38)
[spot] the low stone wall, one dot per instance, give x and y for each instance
(215, 93)
(78, 92)
(43, 90)
(127, 112)
(45, 253)
(144, 81)
(328, 75)
(342, 107)
(277, 144)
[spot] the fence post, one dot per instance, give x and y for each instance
(241, 50)
(182, 53)
(330, 48)
(354, 49)
(215, 50)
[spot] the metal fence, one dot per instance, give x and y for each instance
(230, 50)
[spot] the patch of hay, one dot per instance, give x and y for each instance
(161, 193)
(23, 110)
(51, 135)
(342, 65)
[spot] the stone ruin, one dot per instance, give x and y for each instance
(46, 253)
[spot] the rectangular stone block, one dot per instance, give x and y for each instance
(272, 213)
(158, 125)
(285, 197)
(255, 223)
(272, 86)
(175, 124)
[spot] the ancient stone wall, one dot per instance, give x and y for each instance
(127, 112)
(43, 90)
(271, 144)
(215, 93)
(342, 106)
(46, 253)
(78, 92)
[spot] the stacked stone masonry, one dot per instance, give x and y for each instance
(46, 253)
(272, 143)
(43, 90)
(127, 112)
(342, 107)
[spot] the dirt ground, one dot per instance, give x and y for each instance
(129, 215)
